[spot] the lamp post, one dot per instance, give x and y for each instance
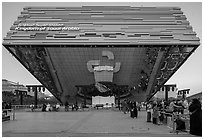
(166, 89)
(19, 93)
(183, 93)
(35, 89)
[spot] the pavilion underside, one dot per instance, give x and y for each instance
(61, 69)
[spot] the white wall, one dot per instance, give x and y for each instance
(103, 100)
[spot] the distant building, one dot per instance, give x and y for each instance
(198, 96)
(9, 86)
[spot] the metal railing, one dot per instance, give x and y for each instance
(171, 123)
(185, 118)
(18, 107)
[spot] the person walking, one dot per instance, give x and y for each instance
(48, 108)
(44, 107)
(72, 107)
(149, 113)
(66, 106)
(124, 106)
(32, 107)
(155, 114)
(57, 107)
(129, 105)
(135, 111)
(195, 118)
(131, 110)
(76, 106)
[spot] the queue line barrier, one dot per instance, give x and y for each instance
(171, 121)
(185, 118)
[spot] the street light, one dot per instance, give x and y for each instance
(183, 93)
(35, 88)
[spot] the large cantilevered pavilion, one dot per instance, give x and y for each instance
(79, 52)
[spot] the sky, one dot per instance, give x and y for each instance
(188, 76)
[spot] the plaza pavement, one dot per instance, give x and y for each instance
(93, 123)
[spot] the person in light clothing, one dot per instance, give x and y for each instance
(48, 108)
(57, 106)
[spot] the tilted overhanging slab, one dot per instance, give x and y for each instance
(101, 25)
(40, 30)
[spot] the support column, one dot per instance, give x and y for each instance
(119, 101)
(21, 97)
(84, 91)
(166, 93)
(36, 97)
(84, 100)
(35, 88)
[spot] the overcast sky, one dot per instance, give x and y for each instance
(188, 76)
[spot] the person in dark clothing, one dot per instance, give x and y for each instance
(155, 114)
(135, 111)
(159, 106)
(131, 110)
(124, 106)
(161, 117)
(9, 106)
(180, 124)
(72, 107)
(66, 106)
(195, 118)
(44, 107)
(76, 106)
(129, 105)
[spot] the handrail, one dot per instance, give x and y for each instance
(22, 106)
(174, 115)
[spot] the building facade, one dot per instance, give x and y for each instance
(9, 86)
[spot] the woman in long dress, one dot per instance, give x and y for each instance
(135, 111)
(195, 118)
(155, 114)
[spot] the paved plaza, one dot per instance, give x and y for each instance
(95, 123)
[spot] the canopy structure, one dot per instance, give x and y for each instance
(65, 47)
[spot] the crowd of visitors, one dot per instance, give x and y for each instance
(157, 111)
(6, 105)
(49, 107)
(67, 106)
(74, 107)
(180, 108)
(131, 107)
